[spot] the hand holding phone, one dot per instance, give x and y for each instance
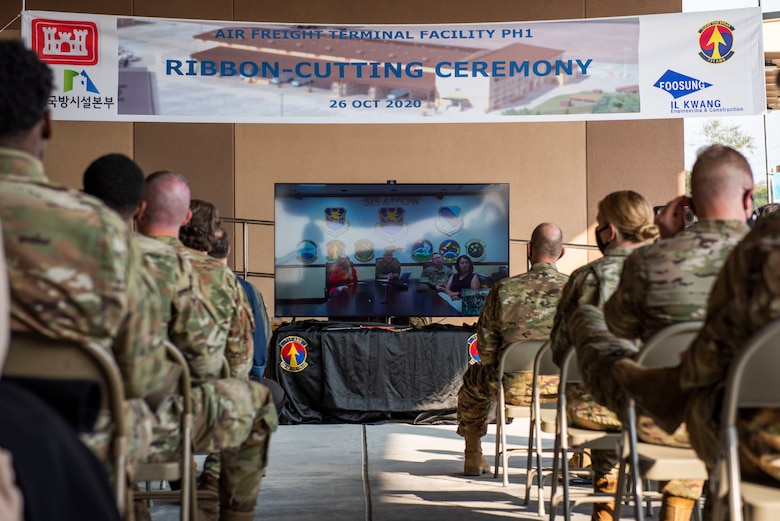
(671, 219)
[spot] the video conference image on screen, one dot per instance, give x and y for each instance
(388, 250)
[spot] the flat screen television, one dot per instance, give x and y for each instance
(325, 228)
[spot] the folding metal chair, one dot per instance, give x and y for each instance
(543, 366)
(567, 438)
(751, 383)
(36, 356)
(516, 357)
(181, 467)
(647, 461)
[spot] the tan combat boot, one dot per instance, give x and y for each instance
(475, 464)
(607, 485)
(676, 508)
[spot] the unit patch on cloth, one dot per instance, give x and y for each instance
(293, 353)
(473, 353)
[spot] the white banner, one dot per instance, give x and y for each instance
(119, 68)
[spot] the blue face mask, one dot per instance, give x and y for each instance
(601, 244)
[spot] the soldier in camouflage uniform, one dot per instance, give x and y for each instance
(437, 273)
(624, 222)
(233, 416)
(516, 309)
(75, 273)
(746, 297)
(666, 283)
(387, 266)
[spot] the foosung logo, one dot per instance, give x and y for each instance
(679, 85)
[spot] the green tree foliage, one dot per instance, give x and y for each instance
(616, 103)
(732, 135)
(729, 134)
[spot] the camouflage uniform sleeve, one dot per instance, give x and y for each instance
(239, 349)
(746, 296)
(139, 345)
(194, 325)
(624, 311)
(488, 332)
(396, 268)
(582, 288)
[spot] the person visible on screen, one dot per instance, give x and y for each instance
(624, 222)
(437, 273)
(342, 276)
(517, 308)
(388, 267)
(262, 331)
(463, 278)
(664, 283)
(74, 272)
(242, 429)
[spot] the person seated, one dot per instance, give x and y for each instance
(463, 278)
(517, 308)
(744, 299)
(624, 222)
(662, 284)
(437, 273)
(343, 276)
(75, 277)
(388, 267)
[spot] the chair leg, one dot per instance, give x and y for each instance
(554, 484)
(499, 447)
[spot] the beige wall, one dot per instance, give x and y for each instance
(557, 171)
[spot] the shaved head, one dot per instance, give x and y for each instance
(167, 197)
(547, 241)
(720, 175)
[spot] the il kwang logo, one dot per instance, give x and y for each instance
(65, 42)
(715, 41)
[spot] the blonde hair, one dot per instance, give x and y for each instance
(630, 213)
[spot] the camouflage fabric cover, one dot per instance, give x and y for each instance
(194, 325)
(229, 304)
(745, 297)
(670, 280)
(517, 308)
(437, 277)
(75, 273)
(592, 284)
(231, 416)
(384, 267)
(661, 284)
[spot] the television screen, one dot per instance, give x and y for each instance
(388, 250)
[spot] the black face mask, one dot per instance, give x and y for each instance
(601, 244)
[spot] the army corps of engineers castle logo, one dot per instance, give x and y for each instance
(65, 42)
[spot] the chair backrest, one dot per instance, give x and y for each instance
(752, 378)
(751, 382)
(519, 356)
(36, 356)
(664, 348)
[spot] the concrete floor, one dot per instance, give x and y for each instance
(388, 472)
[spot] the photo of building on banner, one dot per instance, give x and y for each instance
(149, 69)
